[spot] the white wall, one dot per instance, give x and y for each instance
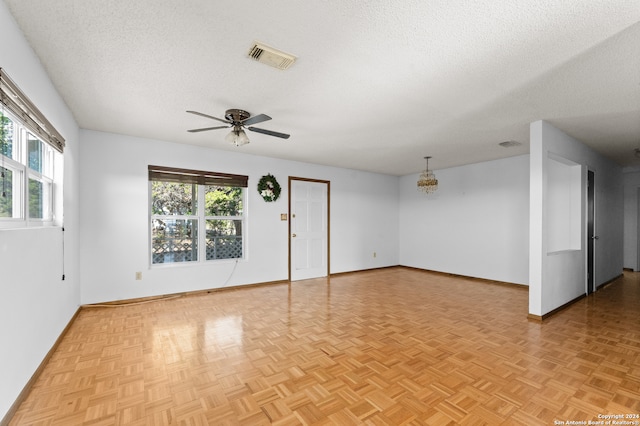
(631, 177)
(114, 211)
(476, 224)
(557, 277)
(35, 304)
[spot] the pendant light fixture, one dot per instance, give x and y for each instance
(427, 181)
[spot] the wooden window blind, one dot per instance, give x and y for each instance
(172, 174)
(17, 102)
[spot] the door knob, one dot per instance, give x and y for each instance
(595, 237)
(294, 235)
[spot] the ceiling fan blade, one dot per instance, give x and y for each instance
(256, 119)
(269, 132)
(204, 129)
(208, 116)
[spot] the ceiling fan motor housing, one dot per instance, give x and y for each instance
(236, 115)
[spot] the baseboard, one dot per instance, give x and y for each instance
(467, 277)
(140, 300)
(36, 374)
(536, 318)
(338, 274)
(565, 306)
(609, 282)
(134, 301)
(238, 287)
(540, 318)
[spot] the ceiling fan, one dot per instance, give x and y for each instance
(239, 119)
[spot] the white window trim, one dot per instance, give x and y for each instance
(20, 164)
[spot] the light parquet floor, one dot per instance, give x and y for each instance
(387, 347)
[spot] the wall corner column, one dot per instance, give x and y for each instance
(536, 218)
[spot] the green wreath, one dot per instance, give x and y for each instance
(269, 188)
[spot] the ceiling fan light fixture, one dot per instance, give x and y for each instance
(237, 137)
(243, 139)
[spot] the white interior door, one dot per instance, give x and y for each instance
(309, 237)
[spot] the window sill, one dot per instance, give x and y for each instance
(169, 265)
(8, 225)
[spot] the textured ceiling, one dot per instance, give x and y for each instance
(377, 84)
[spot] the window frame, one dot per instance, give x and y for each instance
(27, 119)
(200, 179)
(18, 163)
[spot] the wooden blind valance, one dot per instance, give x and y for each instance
(17, 102)
(172, 174)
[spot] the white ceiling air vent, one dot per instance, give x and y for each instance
(270, 56)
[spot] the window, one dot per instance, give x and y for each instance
(26, 175)
(29, 145)
(195, 215)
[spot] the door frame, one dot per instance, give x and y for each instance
(591, 232)
(328, 236)
(637, 266)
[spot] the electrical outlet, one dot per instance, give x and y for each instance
(138, 276)
(375, 254)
